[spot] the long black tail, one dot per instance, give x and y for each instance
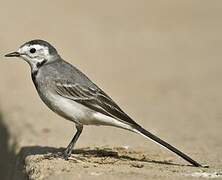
(168, 146)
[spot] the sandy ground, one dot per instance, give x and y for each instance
(159, 60)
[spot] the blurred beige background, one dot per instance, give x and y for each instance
(159, 60)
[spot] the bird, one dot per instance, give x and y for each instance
(71, 94)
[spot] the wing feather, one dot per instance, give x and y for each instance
(93, 98)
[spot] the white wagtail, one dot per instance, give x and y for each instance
(72, 95)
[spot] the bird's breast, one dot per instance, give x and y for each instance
(66, 108)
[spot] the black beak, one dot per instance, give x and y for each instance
(13, 54)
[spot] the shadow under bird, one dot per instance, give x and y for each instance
(71, 94)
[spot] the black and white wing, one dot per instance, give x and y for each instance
(93, 98)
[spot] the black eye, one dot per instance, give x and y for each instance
(32, 50)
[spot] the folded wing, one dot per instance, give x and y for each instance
(93, 98)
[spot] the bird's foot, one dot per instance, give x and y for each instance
(67, 153)
(53, 155)
(62, 154)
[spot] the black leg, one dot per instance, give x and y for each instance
(68, 150)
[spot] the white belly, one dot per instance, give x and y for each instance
(78, 113)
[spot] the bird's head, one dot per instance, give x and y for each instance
(36, 53)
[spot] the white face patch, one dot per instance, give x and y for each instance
(37, 53)
(40, 50)
(34, 54)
